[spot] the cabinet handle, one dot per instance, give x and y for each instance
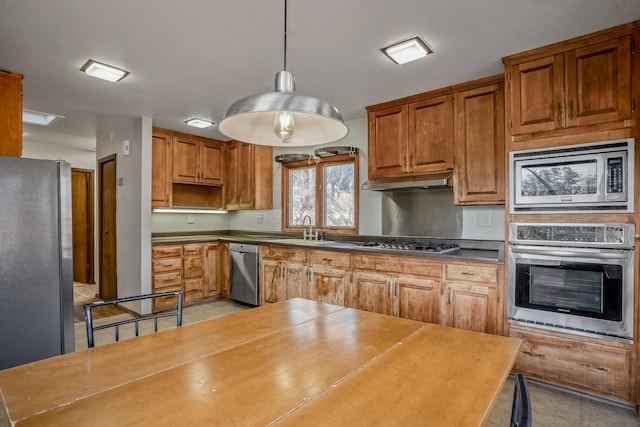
(559, 112)
(468, 273)
(597, 368)
(536, 355)
(327, 259)
(449, 296)
(571, 109)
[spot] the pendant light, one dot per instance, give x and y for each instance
(282, 117)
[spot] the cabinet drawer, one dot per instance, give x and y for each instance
(398, 264)
(598, 368)
(167, 280)
(167, 264)
(163, 303)
(192, 249)
(473, 273)
(160, 251)
(193, 290)
(331, 259)
(282, 253)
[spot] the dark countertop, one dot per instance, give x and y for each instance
(472, 250)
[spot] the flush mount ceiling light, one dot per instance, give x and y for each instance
(407, 50)
(39, 118)
(199, 123)
(104, 71)
(281, 117)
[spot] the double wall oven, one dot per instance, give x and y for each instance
(573, 277)
(576, 278)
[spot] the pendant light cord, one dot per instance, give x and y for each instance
(285, 35)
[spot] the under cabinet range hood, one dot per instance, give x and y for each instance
(440, 180)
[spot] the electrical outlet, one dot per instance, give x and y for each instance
(191, 219)
(484, 219)
(260, 219)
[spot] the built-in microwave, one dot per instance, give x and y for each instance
(595, 177)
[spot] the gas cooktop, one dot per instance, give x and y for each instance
(432, 247)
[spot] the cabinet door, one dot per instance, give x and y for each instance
(211, 163)
(295, 280)
(372, 292)
(599, 82)
(186, 152)
(231, 183)
(271, 281)
(388, 142)
(161, 170)
(10, 114)
(479, 144)
(418, 299)
(245, 171)
(212, 273)
(471, 306)
(431, 135)
(329, 285)
(537, 95)
(240, 176)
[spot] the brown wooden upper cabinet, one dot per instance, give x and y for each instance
(249, 182)
(479, 176)
(578, 86)
(419, 135)
(412, 136)
(10, 114)
(198, 161)
(161, 167)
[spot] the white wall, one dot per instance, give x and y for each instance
(82, 159)
(133, 205)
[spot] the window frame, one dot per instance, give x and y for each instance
(319, 164)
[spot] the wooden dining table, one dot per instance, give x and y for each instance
(297, 362)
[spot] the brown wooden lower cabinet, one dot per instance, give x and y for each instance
(460, 294)
(198, 269)
(583, 363)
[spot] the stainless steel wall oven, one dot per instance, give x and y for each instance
(576, 278)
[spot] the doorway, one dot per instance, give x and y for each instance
(82, 214)
(108, 286)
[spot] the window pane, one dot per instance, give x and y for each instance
(302, 193)
(339, 195)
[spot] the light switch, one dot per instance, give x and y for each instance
(191, 219)
(126, 148)
(260, 219)
(484, 219)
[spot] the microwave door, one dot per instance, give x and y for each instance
(549, 181)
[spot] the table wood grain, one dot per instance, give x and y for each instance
(298, 362)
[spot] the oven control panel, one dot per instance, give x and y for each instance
(597, 235)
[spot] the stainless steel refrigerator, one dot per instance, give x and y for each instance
(36, 265)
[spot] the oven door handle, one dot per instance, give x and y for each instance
(565, 253)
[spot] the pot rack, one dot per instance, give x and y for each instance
(317, 154)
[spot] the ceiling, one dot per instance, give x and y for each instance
(196, 57)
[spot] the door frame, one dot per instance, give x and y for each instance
(90, 219)
(101, 162)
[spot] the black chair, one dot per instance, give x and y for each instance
(521, 409)
(155, 316)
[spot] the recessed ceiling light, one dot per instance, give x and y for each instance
(39, 118)
(199, 123)
(104, 71)
(407, 50)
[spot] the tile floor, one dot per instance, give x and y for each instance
(551, 407)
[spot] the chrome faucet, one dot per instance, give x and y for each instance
(304, 231)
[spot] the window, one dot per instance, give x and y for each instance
(325, 189)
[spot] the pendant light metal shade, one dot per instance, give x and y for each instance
(251, 119)
(310, 120)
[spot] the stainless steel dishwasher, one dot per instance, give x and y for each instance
(243, 273)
